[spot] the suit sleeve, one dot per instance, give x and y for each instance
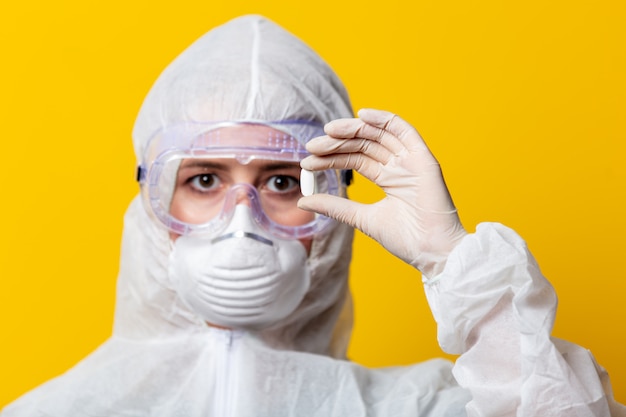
(495, 309)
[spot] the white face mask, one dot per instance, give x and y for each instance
(242, 279)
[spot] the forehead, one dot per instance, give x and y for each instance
(248, 135)
(241, 141)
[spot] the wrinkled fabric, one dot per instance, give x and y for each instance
(491, 303)
(494, 308)
(221, 373)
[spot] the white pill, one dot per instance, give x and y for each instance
(307, 183)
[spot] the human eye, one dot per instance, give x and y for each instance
(204, 182)
(282, 184)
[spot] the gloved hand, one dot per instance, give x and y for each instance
(417, 220)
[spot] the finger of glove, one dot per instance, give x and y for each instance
(326, 145)
(355, 128)
(395, 126)
(338, 208)
(363, 164)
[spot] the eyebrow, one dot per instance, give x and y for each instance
(277, 166)
(199, 163)
(266, 167)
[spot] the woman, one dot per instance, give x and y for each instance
(232, 295)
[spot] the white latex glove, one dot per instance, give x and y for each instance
(417, 220)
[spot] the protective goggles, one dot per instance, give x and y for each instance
(193, 176)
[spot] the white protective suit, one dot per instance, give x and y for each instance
(491, 303)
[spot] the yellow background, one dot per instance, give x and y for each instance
(522, 103)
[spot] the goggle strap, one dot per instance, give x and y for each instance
(140, 174)
(347, 177)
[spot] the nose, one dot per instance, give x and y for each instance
(242, 225)
(243, 198)
(245, 194)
